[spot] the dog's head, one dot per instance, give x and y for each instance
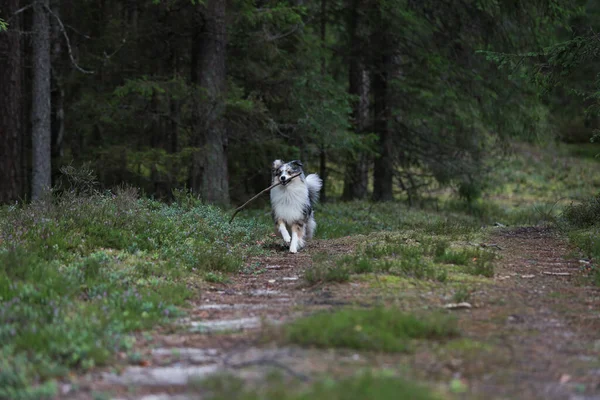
(283, 172)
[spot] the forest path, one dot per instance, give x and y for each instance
(532, 333)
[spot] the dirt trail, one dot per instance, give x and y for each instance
(532, 333)
(548, 321)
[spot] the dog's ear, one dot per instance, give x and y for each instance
(297, 163)
(277, 164)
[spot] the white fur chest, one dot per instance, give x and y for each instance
(289, 202)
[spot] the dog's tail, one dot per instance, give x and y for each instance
(314, 184)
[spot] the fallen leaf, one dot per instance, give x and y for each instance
(145, 363)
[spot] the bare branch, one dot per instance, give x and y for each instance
(77, 32)
(273, 37)
(64, 32)
(19, 11)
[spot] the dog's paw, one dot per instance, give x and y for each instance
(293, 250)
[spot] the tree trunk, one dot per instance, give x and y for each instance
(323, 173)
(40, 112)
(12, 181)
(58, 92)
(357, 169)
(209, 171)
(384, 167)
(322, 152)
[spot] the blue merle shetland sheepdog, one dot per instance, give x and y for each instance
(292, 203)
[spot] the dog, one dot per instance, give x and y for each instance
(292, 202)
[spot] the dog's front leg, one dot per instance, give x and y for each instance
(297, 237)
(283, 230)
(294, 244)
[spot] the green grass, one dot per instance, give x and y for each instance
(79, 274)
(216, 277)
(461, 294)
(408, 255)
(378, 329)
(366, 385)
(582, 223)
(337, 220)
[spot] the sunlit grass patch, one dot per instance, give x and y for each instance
(473, 261)
(365, 385)
(410, 255)
(378, 329)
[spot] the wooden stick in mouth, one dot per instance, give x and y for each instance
(264, 190)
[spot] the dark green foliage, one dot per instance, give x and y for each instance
(448, 111)
(379, 329)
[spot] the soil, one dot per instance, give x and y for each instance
(532, 331)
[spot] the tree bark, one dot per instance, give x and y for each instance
(357, 170)
(384, 167)
(209, 172)
(322, 151)
(58, 92)
(12, 181)
(40, 112)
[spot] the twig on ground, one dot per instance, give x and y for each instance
(484, 245)
(556, 273)
(268, 361)
(253, 198)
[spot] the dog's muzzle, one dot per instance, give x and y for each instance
(284, 180)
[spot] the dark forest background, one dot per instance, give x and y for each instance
(381, 97)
